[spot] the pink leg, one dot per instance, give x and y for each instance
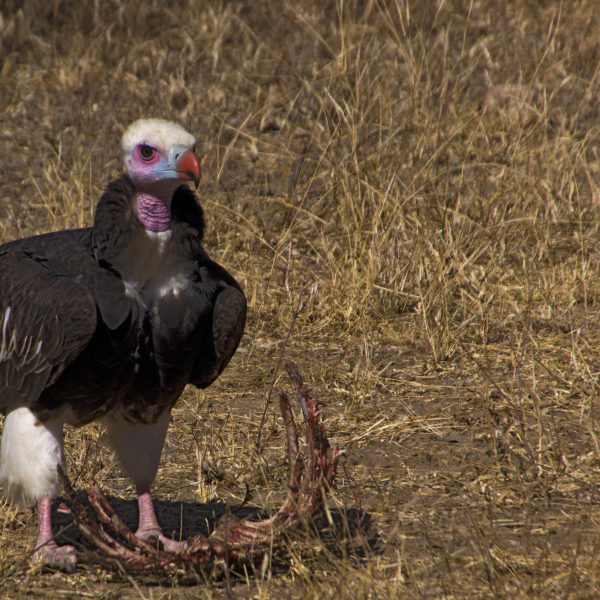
(51, 554)
(148, 527)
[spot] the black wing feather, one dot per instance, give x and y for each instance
(52, 294)
(46, 319)
(69, 253)
(228, 318)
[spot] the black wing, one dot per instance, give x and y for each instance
(46, 319)
(228, 321)
(52, 293)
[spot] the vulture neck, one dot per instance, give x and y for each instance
(153, 204)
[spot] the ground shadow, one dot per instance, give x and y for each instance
(344, 533)
(179, 520)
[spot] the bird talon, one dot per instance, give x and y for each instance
(58, 557)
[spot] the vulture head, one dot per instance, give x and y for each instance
(159, 157)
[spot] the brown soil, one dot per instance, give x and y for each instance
(422, 179)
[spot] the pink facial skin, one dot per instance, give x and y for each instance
(155, 189)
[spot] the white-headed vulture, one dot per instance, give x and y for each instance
(110, 323)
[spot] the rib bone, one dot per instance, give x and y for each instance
(233, 539)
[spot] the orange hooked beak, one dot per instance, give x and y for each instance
(188, 167)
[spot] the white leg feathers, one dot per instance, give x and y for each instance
(138, 446)
(30, 453)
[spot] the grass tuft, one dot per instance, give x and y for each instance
(431, 169)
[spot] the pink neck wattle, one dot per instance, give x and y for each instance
(153, 213)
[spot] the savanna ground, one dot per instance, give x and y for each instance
(413, 186)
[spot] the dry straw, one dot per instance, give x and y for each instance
(436, 164)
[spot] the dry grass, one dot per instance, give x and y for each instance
(423, 179)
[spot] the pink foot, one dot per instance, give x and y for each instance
(166, 543)
(58, 557)
(48, 552)
(149, 529)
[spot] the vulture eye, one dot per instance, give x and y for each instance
(147, 152)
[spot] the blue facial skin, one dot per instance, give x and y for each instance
(177, 165)
(167, 169)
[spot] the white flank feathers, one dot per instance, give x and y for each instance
(29, 455)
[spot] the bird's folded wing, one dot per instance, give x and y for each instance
(228, 320)
(46, 319)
